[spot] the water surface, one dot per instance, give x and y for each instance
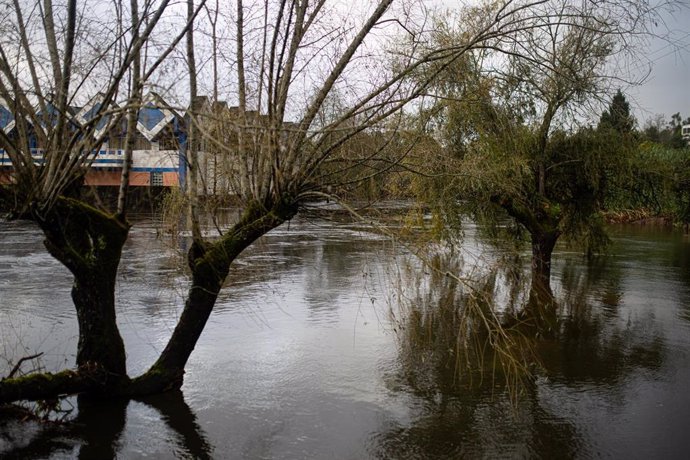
(302, 357)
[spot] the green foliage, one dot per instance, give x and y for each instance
(578, 170)
(657, 179)
(508, 146)
(666, 133)
(377, 164)
(618, 116)
(502, 165)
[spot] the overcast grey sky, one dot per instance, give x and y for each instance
(667, 89)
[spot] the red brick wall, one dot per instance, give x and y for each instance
(139, 179)
(112, 178)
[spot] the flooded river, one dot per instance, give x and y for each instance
(302, 357)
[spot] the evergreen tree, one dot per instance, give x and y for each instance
(618, 115)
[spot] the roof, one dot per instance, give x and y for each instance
(6, 118)
(154, 115)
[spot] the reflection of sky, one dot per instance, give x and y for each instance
(36, 313)
(294, 360)
(297, 328)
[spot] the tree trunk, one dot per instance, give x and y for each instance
(47, 386)
(210, 264)
(542, 248)
(100, 342)
(89, 243)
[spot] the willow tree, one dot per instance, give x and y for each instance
(516, 130)
(289, 56)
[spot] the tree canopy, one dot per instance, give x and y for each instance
(518, 143)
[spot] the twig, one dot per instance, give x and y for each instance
(16, 367)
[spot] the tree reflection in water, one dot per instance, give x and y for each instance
(96, 431)
(478, 392)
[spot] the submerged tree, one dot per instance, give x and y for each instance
(519, 142)
(54, 58)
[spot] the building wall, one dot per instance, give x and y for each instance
(103, 177)
(162, 166)
(158, 140)
(171, 179)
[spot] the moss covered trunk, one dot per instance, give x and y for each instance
(89, 243)
(210, 264)
(99, 338)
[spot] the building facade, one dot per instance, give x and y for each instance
(158, 158)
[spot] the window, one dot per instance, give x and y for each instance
(156, 179)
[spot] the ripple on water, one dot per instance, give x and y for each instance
(296, 360)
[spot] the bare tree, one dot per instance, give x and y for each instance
(41, 92)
